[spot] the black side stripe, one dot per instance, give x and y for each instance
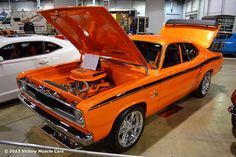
(132, 91)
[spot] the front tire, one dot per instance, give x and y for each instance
(204, 86)
(126, 130)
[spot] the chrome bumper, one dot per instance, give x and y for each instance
(56, 124)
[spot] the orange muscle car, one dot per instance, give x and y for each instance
(120, 80)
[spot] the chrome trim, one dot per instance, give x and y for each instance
(50, 95)
(146, 70)
(82, 141)
(63, 114)
(78, 139)
(130, 129)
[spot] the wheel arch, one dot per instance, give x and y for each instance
(210, 70)
(141, 104)
(204, 72)
(200, 77)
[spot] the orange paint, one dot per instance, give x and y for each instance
(93, 30)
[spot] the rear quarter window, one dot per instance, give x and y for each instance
(189, 51)
(50, 47)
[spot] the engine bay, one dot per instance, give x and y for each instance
(86, 82)
(77, 79)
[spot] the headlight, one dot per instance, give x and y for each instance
(79, 117)
(21, 85)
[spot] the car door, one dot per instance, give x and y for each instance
(192, 70)
(18, 57)
(58, 54)
(177, 81)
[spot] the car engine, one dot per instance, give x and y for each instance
(86, 83)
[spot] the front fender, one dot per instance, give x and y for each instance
(101, 120)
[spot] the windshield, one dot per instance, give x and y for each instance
(150, 51)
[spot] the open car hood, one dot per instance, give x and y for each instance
(94, 31)
(202, 32)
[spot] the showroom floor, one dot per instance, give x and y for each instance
(192, 127)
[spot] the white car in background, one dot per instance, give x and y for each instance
(23, 52)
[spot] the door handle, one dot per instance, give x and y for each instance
(43, 61)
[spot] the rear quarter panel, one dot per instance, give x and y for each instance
(212, 62)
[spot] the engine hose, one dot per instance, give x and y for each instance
(84, 89)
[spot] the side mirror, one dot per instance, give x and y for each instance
(1, 59)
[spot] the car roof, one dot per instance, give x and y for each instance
(4, 40)
(158, 39)
(20, 37)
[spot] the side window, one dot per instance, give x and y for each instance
(189, 52)
(184, 54)
(50, 47)
(10, 51)
(172, 56)
(20, 50)
(31, 48)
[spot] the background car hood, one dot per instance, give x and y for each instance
(93, 30)
(202, 32)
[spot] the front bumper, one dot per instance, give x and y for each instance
(56, 124)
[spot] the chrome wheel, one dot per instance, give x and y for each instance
(130, 129)
(206, 83)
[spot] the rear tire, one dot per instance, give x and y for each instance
(204, 86)
(126, 130)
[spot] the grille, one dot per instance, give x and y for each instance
(50, 102)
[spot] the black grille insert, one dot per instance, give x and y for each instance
(50, 102)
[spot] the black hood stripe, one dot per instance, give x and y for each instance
(132, 91)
